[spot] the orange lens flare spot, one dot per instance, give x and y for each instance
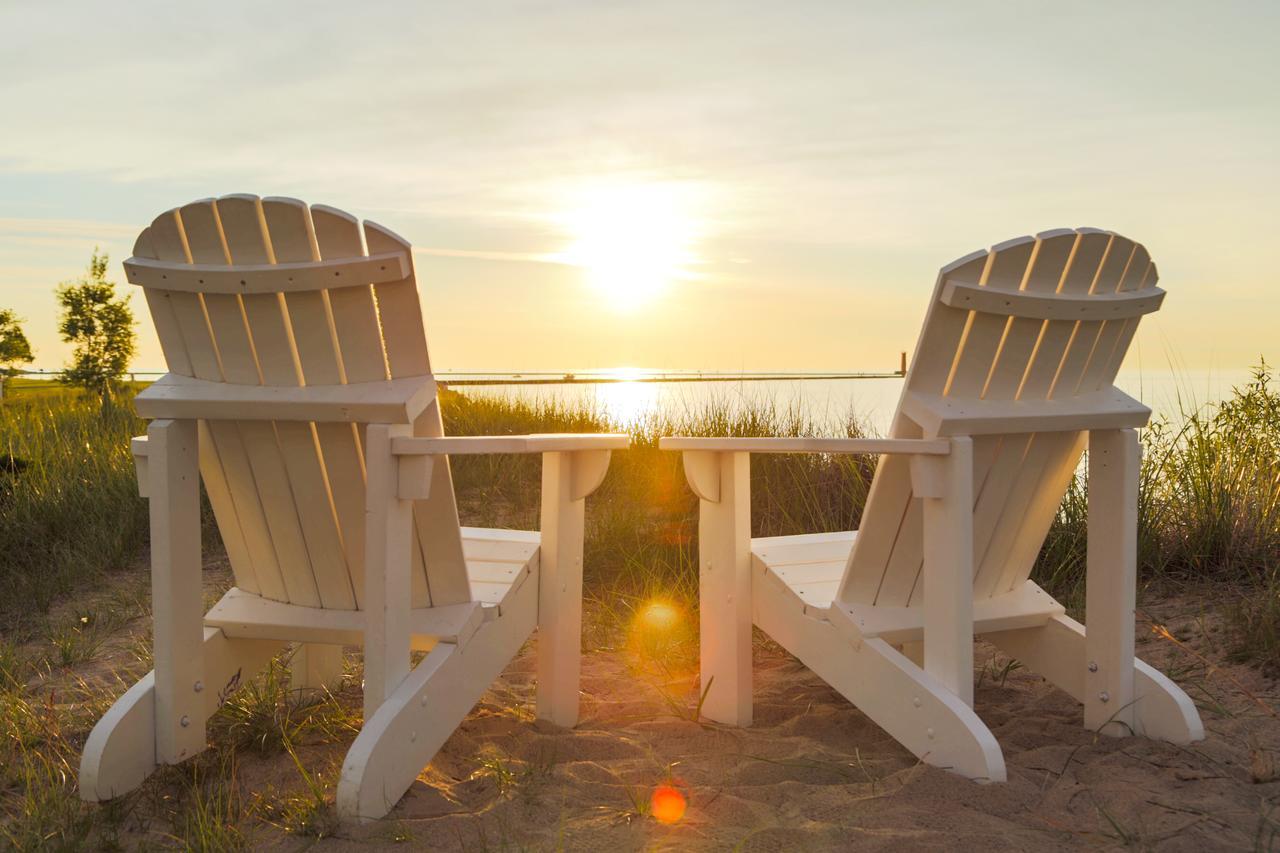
(659, 616)
(668, 804)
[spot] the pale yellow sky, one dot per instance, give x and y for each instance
(716, 185)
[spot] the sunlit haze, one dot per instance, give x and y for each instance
(718, 186)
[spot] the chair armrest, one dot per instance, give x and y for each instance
(911, 446)
(592, 449)
(459, 445)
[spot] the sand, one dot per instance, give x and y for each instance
(812, 773)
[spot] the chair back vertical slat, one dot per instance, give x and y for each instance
(267, 474)
(889, 501)
(436, 518)
(358, 335)
(974, 362)
(271, 340)
(165, 307)
(293, 241)
(224, 465)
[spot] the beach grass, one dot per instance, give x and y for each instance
(70, 517)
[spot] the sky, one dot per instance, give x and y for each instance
(674, 185)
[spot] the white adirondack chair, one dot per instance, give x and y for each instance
(300, 389)
(1012, 376)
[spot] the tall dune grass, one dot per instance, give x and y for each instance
(69, 505)
(1209, 497)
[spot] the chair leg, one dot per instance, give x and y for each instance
(176, 592)
(407, 730)
(1057, 651)
(121, 750)
(723, 482)
(916, 709)
(559, 662)
(1111, 584)
(947, 492)
(315, 668)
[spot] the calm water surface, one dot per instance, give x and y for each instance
(830, 402)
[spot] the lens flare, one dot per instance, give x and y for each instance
(659, 616)
(668, 804)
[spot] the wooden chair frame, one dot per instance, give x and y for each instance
(917, 682)
(409, 712)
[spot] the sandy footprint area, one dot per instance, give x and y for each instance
(814, 774)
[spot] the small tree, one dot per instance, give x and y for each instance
(15, 349)
(100, 326)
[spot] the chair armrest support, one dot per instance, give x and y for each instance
(139, 447)
(913, 446)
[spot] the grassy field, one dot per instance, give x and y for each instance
(73, 530)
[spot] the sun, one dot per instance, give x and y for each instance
(632, 240)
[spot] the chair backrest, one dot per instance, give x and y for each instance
(1020, 349)
(289, 496)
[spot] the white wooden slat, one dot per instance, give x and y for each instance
(992, 497)
(806, 573)
(1023, 333)
(240, 614)
(498, 550)
(817, 594)
(1025, 495)
(169, 244)
(162, 316)
(1116, 334)
(355, 314)
(1104, 409)
(1059, 465)
(1021, 336)
(889, 499)
(399, 311)
(985, 332)
(262, 474)
(247, 242)
(1110, 271)
(1056, 475)
(293, 240)
(225, 469)
(395, 401)
(944, 326)
(1082, 269)
(250, 277)
(1045, 472)
(359, 338)
(1121, 349)
(436, 518)
(973, 365)
(1024, 485)
(803, 553)
(224, 512)
(1118, 306)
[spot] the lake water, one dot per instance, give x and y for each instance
(831, 401)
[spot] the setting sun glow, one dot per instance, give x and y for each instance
(631, 240)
